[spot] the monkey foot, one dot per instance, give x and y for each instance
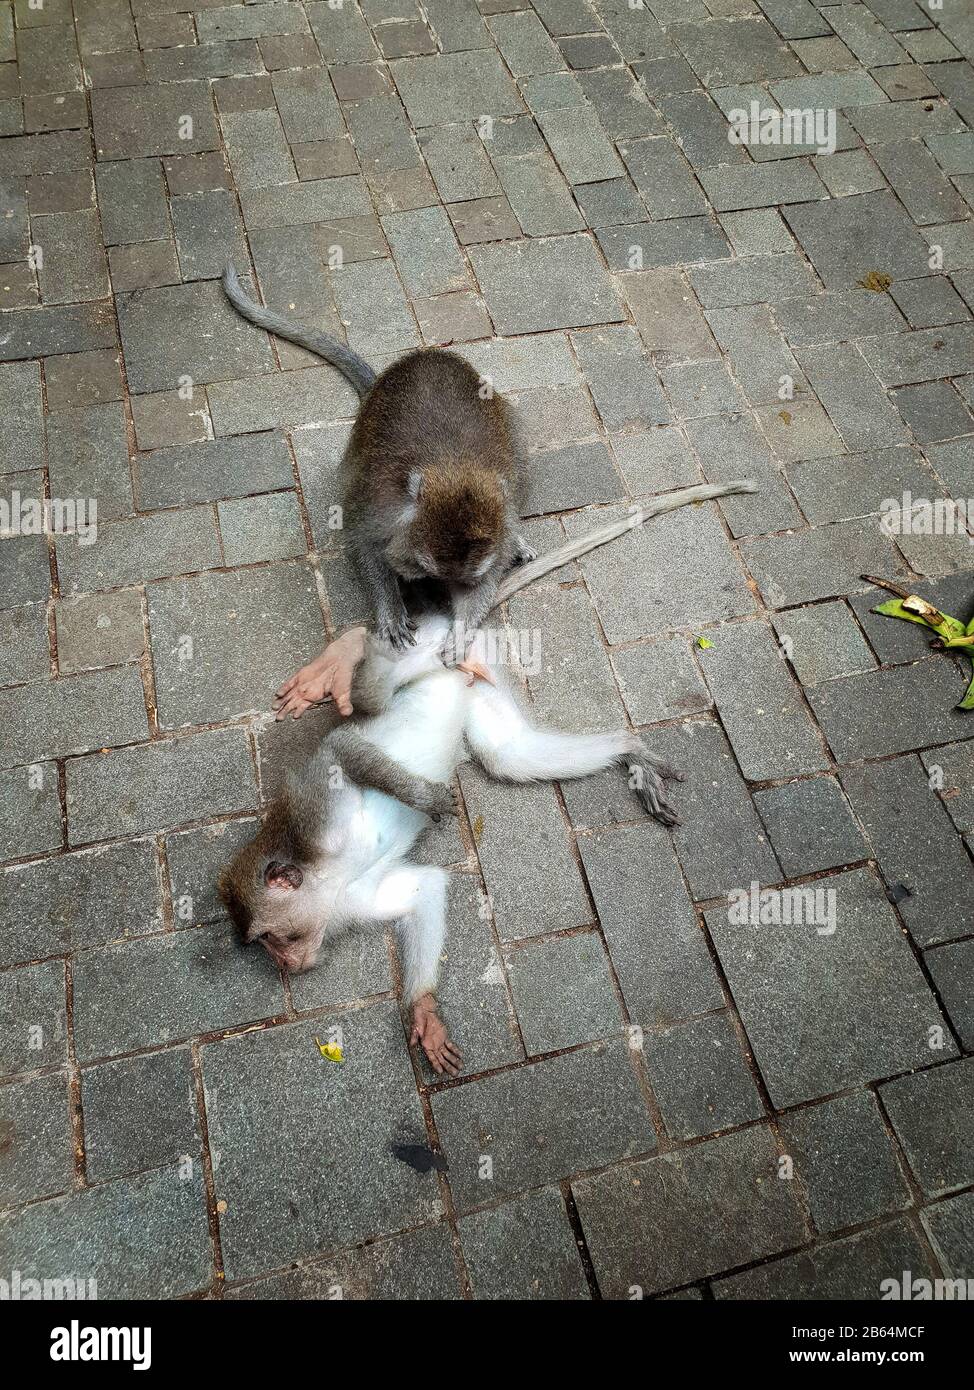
(430, 1032)
(476, 670)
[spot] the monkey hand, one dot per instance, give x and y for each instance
(398, 632)
(330, 673)
(444, 801)
(430, 1032)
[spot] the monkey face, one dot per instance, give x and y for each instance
(271, 901)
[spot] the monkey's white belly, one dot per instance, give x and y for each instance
(422, 727)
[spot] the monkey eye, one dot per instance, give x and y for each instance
(293, 936)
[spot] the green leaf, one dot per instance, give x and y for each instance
(950, 627)
(968, 700)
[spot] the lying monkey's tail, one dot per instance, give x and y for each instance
(571, 550)
(351, 366)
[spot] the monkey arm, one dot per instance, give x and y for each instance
(470, 608)
(391, 619)
(366, 765)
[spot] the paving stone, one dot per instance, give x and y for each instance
(706, 1053)
(668, 317)
(52, 153)
(949, 769)
(24, 650)
(579, 144)
(609, 203)
(783, 978)
(530, 1123)
(79, 900)
(701, 129)
(194, 981)
(178, 781)
(930, 302)
(954, 153)
(524, 44)
(168, 418)
(325, 159)
(664, 178)
(854, 1268)
(146, 547)
(232, 22)
(133, 122)
(535, 285)
(48, 59)
(197, 624)
(71, 715)
(905, 82)
(538, 195)
(195, 858)
(264, 528)
(659, 680)
(483, 219)
(552, 416)
(952, 462)
(295, 205)
(856, 404)
(931, 1112)
(685, 1215)
(823, 563)
(458, 163)
(849, 172)
(74, 267)
(845, 1160)
(548, 894)
(34, 1031)
(732, 448)
(30, 811)
(88, 455)
(933, 411)
(139, 1113)
(145, 1237)
(574, 476)
(919, 183)
(307, 106)
(453, 318)
(426, 251)
(373, 310)
(903, 120)
(457, 25)
(910, 833)
(417, 1265)
(454, 87)
(142, 265)
(228, 347)
(799, 430)
(82, 378)
(823, 642)
(257, 149)
(379, 1194)
(752, 280)
(952, 970)
(656, 946)
(523, 1249)
(925, 354)
(37, 1158)
(22, 439)
(519, 364)
(208, 233)
(216, 468)
(625, 388)
(382, 138)
(834, 317)
(760, 707)
(810, 826)
(757, 353)
(901, 717)
(676, 572)
(951, 1230)
(722, 51)
(132, 201)
(731, 187)
(99, 630)
(562, 991)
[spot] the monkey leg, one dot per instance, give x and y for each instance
(365, 764)
(512, 749)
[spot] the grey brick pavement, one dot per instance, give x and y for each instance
(655, 1094)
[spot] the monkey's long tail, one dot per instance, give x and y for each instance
(351, 366)
(524, 575)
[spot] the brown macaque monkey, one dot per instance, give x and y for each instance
(431, 480)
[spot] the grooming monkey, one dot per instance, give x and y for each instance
(332, 851)
(431, 479)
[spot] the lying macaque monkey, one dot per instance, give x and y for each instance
(332, 850)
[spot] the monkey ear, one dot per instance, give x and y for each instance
(278, 875)
(415, 483)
